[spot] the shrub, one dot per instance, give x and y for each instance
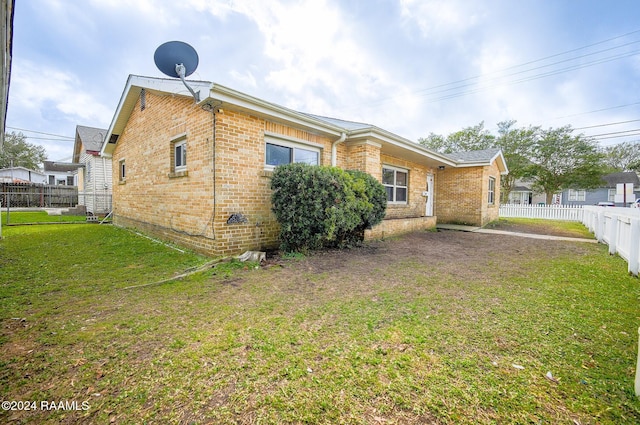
(323, 207)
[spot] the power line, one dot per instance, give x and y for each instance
(605, 125)
(40, 132)
(467, 82)
(599, 110)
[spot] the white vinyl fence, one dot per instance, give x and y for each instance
(550, 212)
(619, 228)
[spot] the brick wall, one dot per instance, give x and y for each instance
(173, 208)
(462, 194)
(234, 214)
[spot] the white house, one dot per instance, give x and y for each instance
(94, 175)
(60, 173)
(22, 175)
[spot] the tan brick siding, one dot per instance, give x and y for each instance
(462, 195)
(191, 210)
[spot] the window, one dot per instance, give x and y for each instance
(122, 170)
(492, 191)
(395, 181)
(180, 155)
(69, 180)
(52, 180)
(281, 152)
(611, 195)
(577, 195)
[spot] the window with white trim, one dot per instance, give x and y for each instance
(282, 152)
(577, 195)
(492, 191)
(396, 183)
(179, 155)
(611, 195)
(122, 170)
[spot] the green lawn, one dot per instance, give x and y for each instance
(22, 217)
(364, 336)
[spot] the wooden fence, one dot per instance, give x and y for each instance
(550, 212)
(28, 195)
(619, 228)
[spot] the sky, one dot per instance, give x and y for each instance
(412, 67)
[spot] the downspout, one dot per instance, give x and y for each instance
(334, 149)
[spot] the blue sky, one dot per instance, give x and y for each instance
(411, 67)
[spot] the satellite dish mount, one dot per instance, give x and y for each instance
(177, 59)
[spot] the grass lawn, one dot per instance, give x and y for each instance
(432, 327)
(22, 217)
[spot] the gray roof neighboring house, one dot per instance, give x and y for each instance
(60, 167)
(91, 137)
(623, 177)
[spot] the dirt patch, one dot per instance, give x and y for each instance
(451, 253)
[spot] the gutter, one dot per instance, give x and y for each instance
(334, 149)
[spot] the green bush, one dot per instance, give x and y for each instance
(324, 207)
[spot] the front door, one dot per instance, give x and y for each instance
(429, 195)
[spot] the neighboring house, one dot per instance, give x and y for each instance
(522, 194)
(94, 177)
(605, 193)
(22, 175)
(60, 173)
(199, 173)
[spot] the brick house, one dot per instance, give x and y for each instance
(216, 198)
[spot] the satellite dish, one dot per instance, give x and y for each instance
(178, 60)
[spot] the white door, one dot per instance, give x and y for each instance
(429, 192)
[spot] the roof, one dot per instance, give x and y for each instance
(91, 137)
(60, 167)
(623, 177)
(227, 98)
(481, 157)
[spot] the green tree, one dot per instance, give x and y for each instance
(516, 145)
(468, 139)
(17, 151)
(561, 160)
(623, 156)
(435, 142)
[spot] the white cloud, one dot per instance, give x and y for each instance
(441, 18)
(34, 87)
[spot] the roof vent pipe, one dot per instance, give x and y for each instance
(334, 149)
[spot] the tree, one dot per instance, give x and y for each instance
(468, 139)
(471, 139)
(20, 153)
(435, 142)
(561, 160)
(623, 156)
(516, 145)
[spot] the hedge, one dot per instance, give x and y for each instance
(324, 207)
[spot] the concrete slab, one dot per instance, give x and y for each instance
(463, 228)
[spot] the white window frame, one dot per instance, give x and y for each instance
(611, 195)
(576, 195)
(292, 144)
(182, 144)
(395, 185)
(122, 170)
(491, 199)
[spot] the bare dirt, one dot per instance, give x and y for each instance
(451, 252)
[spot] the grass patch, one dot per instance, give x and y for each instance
(29, 217)
(361, 336)
(551, 227)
